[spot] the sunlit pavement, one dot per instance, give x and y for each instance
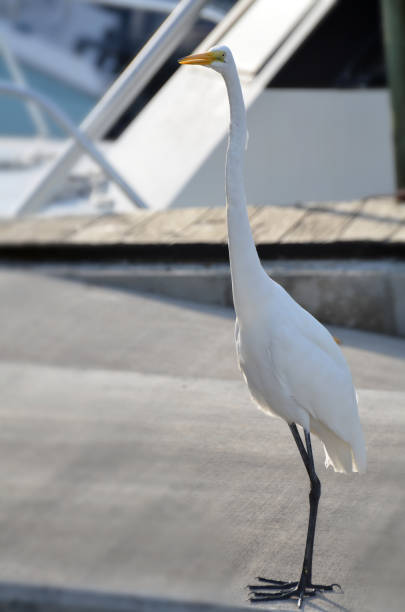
(132, 460)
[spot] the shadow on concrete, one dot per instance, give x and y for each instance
(382, 344)
(81, 322)
(391, 346)
(374, 342)
(323, 603)
(16, 597)
(226, 312)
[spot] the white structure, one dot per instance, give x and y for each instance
(303, 145)
(306, 145)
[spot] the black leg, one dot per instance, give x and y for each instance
(304, 587)
(300, 445)
(314, 495)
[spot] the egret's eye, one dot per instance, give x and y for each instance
(220, 56)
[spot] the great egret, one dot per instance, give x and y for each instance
(291, 364)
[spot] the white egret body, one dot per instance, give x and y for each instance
(292, 365)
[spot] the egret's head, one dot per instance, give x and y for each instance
(219, 58)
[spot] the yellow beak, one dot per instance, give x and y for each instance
(200, 59)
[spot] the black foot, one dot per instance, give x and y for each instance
(280, 589)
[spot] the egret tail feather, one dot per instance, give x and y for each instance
(341, 455)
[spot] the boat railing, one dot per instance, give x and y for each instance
(81, 140)
(115, 101)
(17, 76)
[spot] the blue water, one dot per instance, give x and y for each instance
(14, 119)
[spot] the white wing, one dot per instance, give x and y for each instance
(313, 370)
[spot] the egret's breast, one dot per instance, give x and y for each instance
(261, 376)
(258, 371)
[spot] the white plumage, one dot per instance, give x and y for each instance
(292, 365)
(294, 369)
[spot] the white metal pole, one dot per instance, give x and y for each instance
(18, 76)
(118, 98)
(83, 142)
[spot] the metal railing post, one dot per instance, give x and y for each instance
(117, 99)
(82, 141)
(18, 77)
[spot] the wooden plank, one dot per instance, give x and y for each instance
(367, 220)
(109, 229)
(165, 226)
(271, 223)
(377, 220)
(210, 227)
(42, 230)
(323, 223)
(399, 234)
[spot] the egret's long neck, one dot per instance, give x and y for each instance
(246, 270)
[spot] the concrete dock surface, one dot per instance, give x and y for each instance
(136, 474)
(343, 261)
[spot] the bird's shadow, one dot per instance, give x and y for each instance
(311, 604)
(316, 604)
